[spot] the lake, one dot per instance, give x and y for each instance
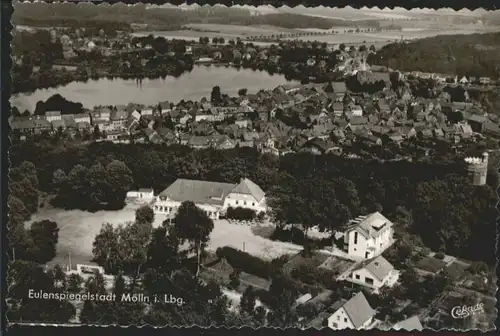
(190, 86)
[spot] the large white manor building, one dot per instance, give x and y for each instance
(212, 197)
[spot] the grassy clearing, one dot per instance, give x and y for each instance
(78, 229)
(430, 264)
(337, 265)
(316, 260)
(242, 238)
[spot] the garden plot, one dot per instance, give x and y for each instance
(242, 238)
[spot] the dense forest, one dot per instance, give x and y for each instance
(462, 55)
(168, 18)
(431, 200)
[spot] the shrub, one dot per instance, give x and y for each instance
(292, 235)
(315, 276)
(247, 263)
(478, 267)
(234, 280)
(439, 256)
(240, 213)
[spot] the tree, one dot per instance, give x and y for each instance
(163, 252)
(216, 96)
(119, 285)
(95, 311)
(59, 276)
(74, 283)
(282, 298)
(25, 277)
(342, 47)
(59, 179)
(193, 224)
(99, 186)
(106, 249)
(144, 217)
(242, 92)
(120, 181)
(45, 236)
(248, 299)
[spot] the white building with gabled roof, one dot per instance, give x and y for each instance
(410, 324)
(374, 274)
(368, 236)
(353, 314)
(212, 197)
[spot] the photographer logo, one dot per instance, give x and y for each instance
(458, 312)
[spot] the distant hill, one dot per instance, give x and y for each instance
(170, 17)
(470, 55)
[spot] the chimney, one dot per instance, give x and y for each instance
(485, 157)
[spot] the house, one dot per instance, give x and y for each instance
(131, 124)
(243, 123)
(136, 115)
(476, 122)
(148, 111)
(338, 109)
(118, 119)
(463, 80)
(212, 197)
(484, 80)
(492, 129)
(52, 115)
(68, 120)
(367, 236)
(141, 194)
(104, 113)
(357, 111)
(164, 107)
(81, 117)
(354, 314)
(58, 124)
(410, 324)
(374, 274)
(204, 115)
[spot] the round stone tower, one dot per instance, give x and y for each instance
(477, 169)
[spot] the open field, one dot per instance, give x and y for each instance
(241, 237)
(77, 231)
(379, 39)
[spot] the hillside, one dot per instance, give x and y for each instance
(44, 14)
(469, 55)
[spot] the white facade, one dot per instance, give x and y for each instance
(357, 111)
(369, 236)
(147, 111)
(367, 279)
(340, 320)
(82, 117)
(51, 116)
(170, 208)
(146, 194)
(212, 197)
(246, 201)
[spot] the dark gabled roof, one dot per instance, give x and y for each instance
(198, 191)
(410, 324)
(378, 266)
(248, 187)
(359, 310)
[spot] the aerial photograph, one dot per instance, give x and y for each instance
(242, 166)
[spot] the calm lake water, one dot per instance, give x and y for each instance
(190, 86)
